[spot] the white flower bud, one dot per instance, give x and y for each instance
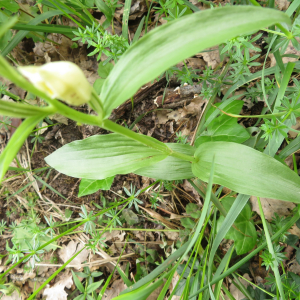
(63, 80)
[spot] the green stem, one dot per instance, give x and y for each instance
(254, 2)
(96, 104)
(213, 198)
(146, 140)
(271, 250)
(288, 34)
(274, 32)
(212, 98)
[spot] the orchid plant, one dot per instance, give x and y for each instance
(125, 151)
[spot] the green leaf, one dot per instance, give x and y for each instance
(9, 5)
(223, 129)
(92, 287)
(155, 52)
(102, 156)
(98, 85)
(68, 214)
(247, 171)
(22, 33)
(193, 210)
(104, 8)
(22, 236)
(90, 186)
(245, 238)
(187, 223)
(171, 168)
(130, 217)
(234, 107)
(298, 255)
(77, 283)
(16, 142)
(104, 70)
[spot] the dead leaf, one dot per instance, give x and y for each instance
(235, 292)
(189, 189)
(294, 267)
(57, 292)
(271, 206)
(117, 287)
(115, 234)
(173, 284)
(14, 296)
(162, 117)
(154, 295)
(158, 217)
(282, 4)
(295, 230)
(172, 235)
(68, 251)
(293, 134)
(59, 118)
(211, 57)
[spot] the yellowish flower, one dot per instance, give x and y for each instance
(63, 80)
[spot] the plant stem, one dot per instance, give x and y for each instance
(146, 140)
(212, 98)
(288, 34)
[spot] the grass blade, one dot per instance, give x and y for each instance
(16, 142)
(21, 34)
(126, 18)
(271, 250)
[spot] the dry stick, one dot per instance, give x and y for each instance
(194, 135)
(96, 262)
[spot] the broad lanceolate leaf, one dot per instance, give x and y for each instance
(225, 129)
(166, 45)
(247, 171)
(90, 186)
(171, 168)
(102, 156)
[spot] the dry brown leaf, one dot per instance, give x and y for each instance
(14, 296)
(158, 217)
(295, 230)
(162, 117)
(293, 134)
(194, 108)
(142, 235)
(172, 235)
(116, 234)
(57, 292)
(212, 57)
(173, 284)
(235, 292)
(68, 251)
(175, 115)
(190, 189)
(117, 287)
(154, 295)
(282, 4)
(59, 118)
(271, 206)
(294, 267)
